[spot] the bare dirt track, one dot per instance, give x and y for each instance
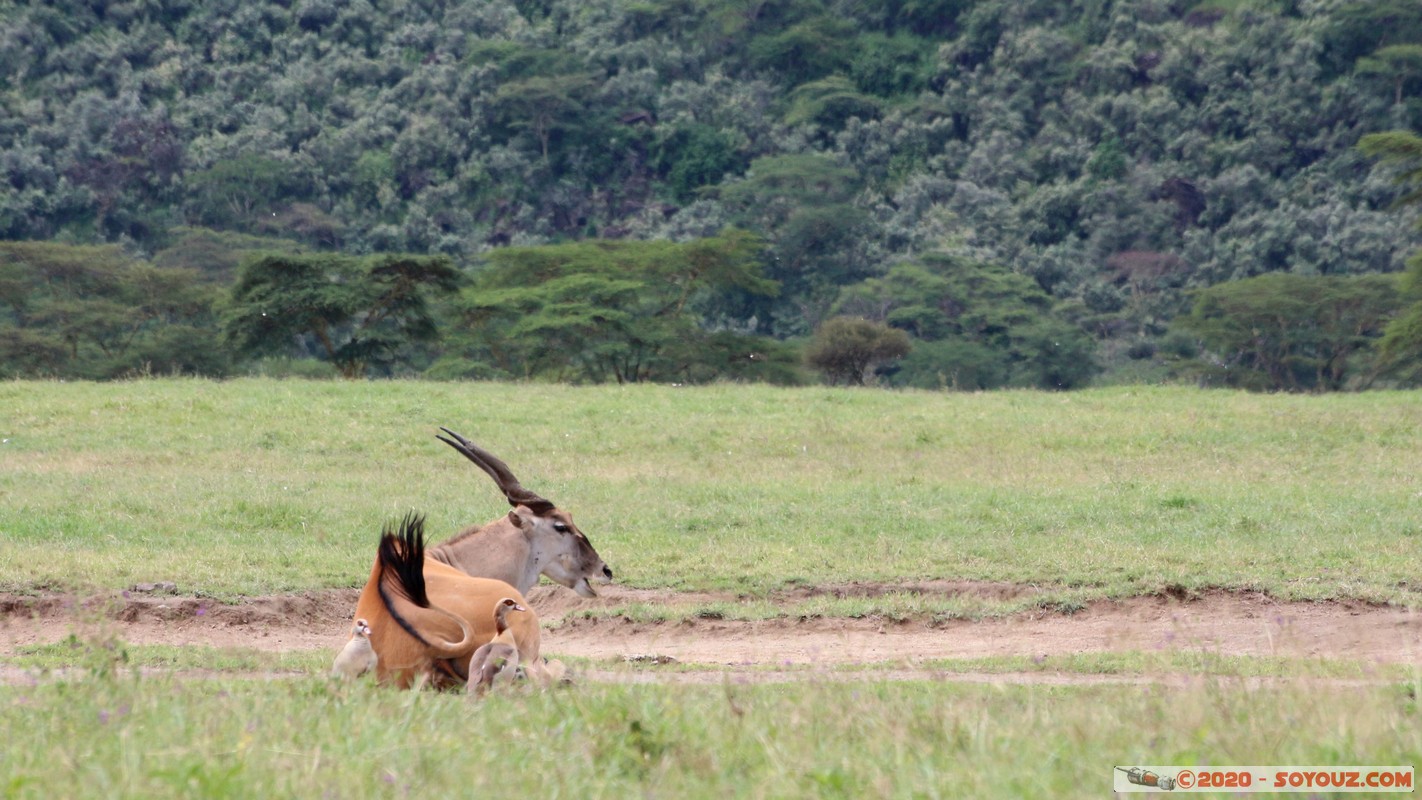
(1217, 623)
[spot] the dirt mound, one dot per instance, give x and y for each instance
(1217, 623)
(554, 602)
(157, 605)
(304, 621)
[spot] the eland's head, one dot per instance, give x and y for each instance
(555, 545)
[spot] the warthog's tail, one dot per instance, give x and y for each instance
(402, 587)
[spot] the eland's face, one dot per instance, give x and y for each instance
(567, 556)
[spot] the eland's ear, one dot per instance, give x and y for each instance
(522, 521)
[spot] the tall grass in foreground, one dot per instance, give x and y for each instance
(76, 656)
(260, 486)
(116, 737)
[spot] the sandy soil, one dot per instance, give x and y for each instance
(1220, 623)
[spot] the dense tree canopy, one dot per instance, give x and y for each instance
(1112, 157)
(358, 312)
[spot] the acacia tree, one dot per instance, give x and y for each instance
(216, 255)
(1401, 344)
(544, 104)
(233, 193)
(93, 312)
(985, 325)
(1293, 332)
(357, 311)
(1398, 64)
(850, 349)
(626, 311)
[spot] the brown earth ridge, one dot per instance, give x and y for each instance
(789, 647)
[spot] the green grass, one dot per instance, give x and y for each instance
(154, 738)
(1181, 662)
(261, 486)
(1152, 666)
(105, 655)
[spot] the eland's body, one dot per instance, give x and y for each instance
(431, 609)
(427, 618)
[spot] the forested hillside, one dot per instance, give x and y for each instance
(1030, 190)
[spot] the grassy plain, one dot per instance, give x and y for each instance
(262, 486)
(253, 487)
(158, 738)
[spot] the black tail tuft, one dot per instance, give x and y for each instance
(402, 555)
